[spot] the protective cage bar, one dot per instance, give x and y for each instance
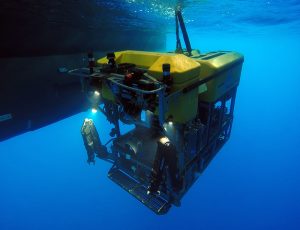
(217, 121)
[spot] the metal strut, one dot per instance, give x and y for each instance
(180, 22)
(178, 43)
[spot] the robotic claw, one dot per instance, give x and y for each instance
(92, 141)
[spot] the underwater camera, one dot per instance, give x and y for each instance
(181, 105)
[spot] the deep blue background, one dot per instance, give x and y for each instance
(253, 183)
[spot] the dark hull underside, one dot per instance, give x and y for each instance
(38, 37)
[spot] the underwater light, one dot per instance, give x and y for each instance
(170, 120)
(94, 110)
(164, 140)
(96, 93)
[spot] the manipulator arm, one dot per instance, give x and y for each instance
(92, 141)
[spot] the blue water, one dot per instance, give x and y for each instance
(253, 183)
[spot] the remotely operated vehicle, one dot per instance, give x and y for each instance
(181, 105)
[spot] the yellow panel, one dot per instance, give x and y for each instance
(227, 69)
(183, 108)
(139, 58)
(183, 68)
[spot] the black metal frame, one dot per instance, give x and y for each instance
(209, 140)
(217, 135)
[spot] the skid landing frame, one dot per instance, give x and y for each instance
(217, 118)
